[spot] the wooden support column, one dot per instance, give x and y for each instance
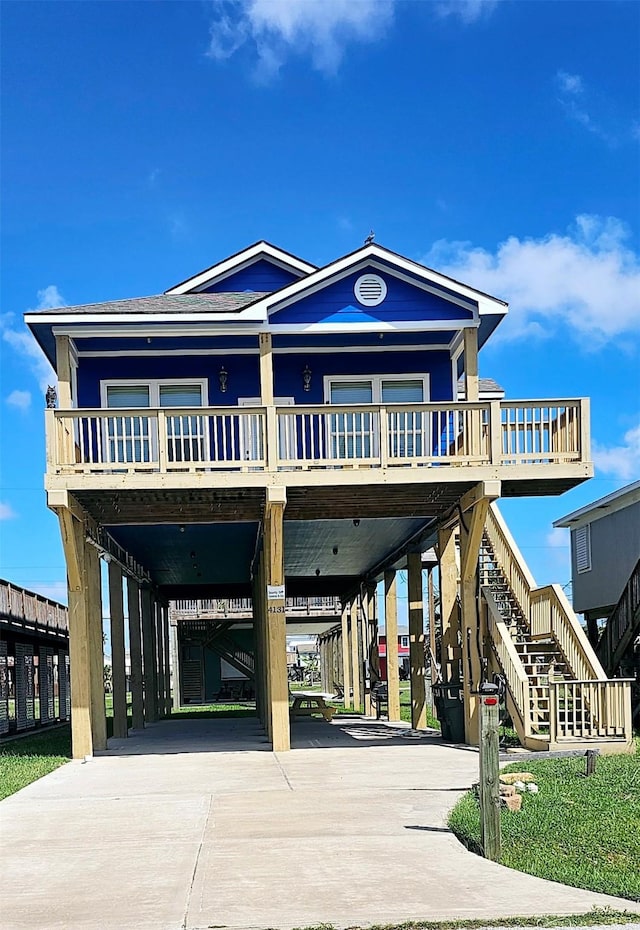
(160, 658)
(355, 655)
(63, 370)
(135, 654)
(361, 650)
(96, 647)
(257, 603)
(450, 650)
(416, 641)
(471, 528)
(276, 619)
(118, 671)
(167, 659)
(471, 364)
(149, 656)
(364, 658)
(391, 635)
(371, 640)
(175, 665)
(88, 720)
(346, 669)
(72, 532)
(432, 625)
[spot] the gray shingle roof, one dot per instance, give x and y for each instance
(485, 385)
(166, 303)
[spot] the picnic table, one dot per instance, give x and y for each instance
(306, 703)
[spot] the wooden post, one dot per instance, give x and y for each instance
(472, 641)
(175, 666)
(432, 625)
(276, 619)
(391, 634)
(257, 602)
(366, 647)
(160, 683)
(361, 651)
(167, 659)
(149, 657)
(416, 641)
(118, 671)
(450, 652)
(471, 364)
(355, 661)
(490, 775)
(135, 654)
(346, 669)
(96, 646)
(72, 532)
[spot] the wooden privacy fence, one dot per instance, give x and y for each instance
(34, 687)
(540, 432)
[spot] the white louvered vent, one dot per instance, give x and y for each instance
(583, 548)
(370, 290)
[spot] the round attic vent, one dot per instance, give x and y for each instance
(370, 290)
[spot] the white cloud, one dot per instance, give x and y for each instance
(6, 511)
(558, 538)
(21, 340)
(587, 279)
(621, 461)
(54, 590)
(278, 28)
(21, 400)
(467, 11)
(569, 83)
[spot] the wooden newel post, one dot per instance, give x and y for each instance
(489, 772)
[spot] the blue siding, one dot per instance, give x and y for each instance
(244, 375)
(337, 304)
(262, 275)
(288, 371)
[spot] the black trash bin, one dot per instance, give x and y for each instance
(450, 710)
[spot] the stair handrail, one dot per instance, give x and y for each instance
(552, 615)
(509, 558)
(621, 624)
(510, 662)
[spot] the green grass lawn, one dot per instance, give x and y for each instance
(580, 831)
(25, 760)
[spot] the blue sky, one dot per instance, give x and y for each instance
(498, 141)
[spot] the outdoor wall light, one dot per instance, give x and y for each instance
(317, 572)
(223, 377)
(335, 550)
(306, 378)
(356, 522)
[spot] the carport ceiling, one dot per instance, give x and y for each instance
(343, 547)
(192, 554)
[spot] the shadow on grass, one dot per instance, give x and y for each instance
(211, 713)
(54, 742)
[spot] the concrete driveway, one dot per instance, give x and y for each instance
(197, 824)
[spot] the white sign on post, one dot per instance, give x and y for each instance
(275, 592)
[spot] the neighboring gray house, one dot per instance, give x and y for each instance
(605, 571)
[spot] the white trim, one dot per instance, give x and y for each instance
(242, 259)
(282, 300)
(369, 253)
(403, 326)
(154, 385)
(288, 350)
(603, 507)
(376, 384)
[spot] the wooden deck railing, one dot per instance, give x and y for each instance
(27, 608)
(553, 616)
(324, 436)
(510, 663)
(590, 709)
(241, 608)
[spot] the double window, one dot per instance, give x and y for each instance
(355, 434)
(133, 437)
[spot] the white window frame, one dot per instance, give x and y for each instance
(332, 438)
(376, 384)
(154, 385)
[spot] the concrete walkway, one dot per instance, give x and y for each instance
(196, 824)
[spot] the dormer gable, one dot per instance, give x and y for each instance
(261, 267)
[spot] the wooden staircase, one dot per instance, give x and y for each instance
(558, 695)
(215, 635)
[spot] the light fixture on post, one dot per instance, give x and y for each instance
(306, 378)
(223, 377)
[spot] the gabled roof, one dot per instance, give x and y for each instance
(617, 500)
(378, 256)
(254, 253)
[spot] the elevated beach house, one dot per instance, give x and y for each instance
(268, 429)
